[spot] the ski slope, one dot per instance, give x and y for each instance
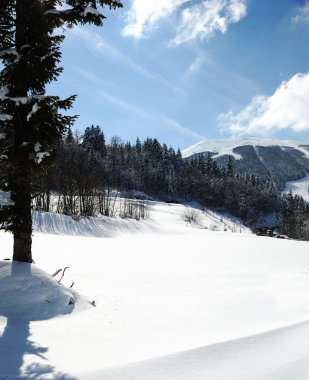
(226, 146)
(173, 301)
(299, 187)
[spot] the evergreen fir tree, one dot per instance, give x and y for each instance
(138, 146)
(69, 139)
(94, 141)
(31, 124)
(229, 167)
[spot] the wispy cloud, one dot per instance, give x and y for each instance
(197, 63)
(176, 126)
(144, 15)
(168, 84)
(125, 105)
(88, 75)
(286, 109)
(203, 20)
(99, 47)
(303, 14)
(158, 118)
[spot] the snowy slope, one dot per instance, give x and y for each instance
(164, 218)
(173, 301)
(300, 187)
(223, 147)
(282, 160)
(226, 146)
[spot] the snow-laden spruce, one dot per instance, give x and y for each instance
(30, 39)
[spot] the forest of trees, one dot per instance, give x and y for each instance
(88, 168)
(295, 213)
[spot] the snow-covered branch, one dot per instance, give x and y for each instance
(5, 198)
(87, 10)
(5, 117)
(92, 11)
(35, 108)
(40, 156)
(4, 91)
(57, 11)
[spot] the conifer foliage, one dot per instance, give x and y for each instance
(31, 123)
(89, 173)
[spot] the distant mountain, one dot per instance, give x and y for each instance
(283, 160)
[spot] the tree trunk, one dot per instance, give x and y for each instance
(21, 181)
(22, 229)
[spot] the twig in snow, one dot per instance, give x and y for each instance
(71, 302)
(57, 271)
(63, 274)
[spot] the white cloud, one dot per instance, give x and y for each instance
(144, 15)
(303, 14)
(286, 109)
(199, 19)
(202, 20)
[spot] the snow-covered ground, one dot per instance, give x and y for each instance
(299, 187)
(164, 218)
(173, 301)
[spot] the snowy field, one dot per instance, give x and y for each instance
(173, 301)
(300, 187)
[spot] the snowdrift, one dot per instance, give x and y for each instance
(164, 218)
(28, 293)
(275, 355)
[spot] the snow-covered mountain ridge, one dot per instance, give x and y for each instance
(284, 160)
(227, 146)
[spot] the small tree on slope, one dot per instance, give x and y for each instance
(30, 121)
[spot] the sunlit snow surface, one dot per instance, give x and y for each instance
(299, 187)
(174, 301)
(226, 146)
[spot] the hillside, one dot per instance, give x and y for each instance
(173, 301)
(284, 160)
(299, 187)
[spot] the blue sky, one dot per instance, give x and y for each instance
(186, 70)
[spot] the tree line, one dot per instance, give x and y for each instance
(87, 169)
(295, 217)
